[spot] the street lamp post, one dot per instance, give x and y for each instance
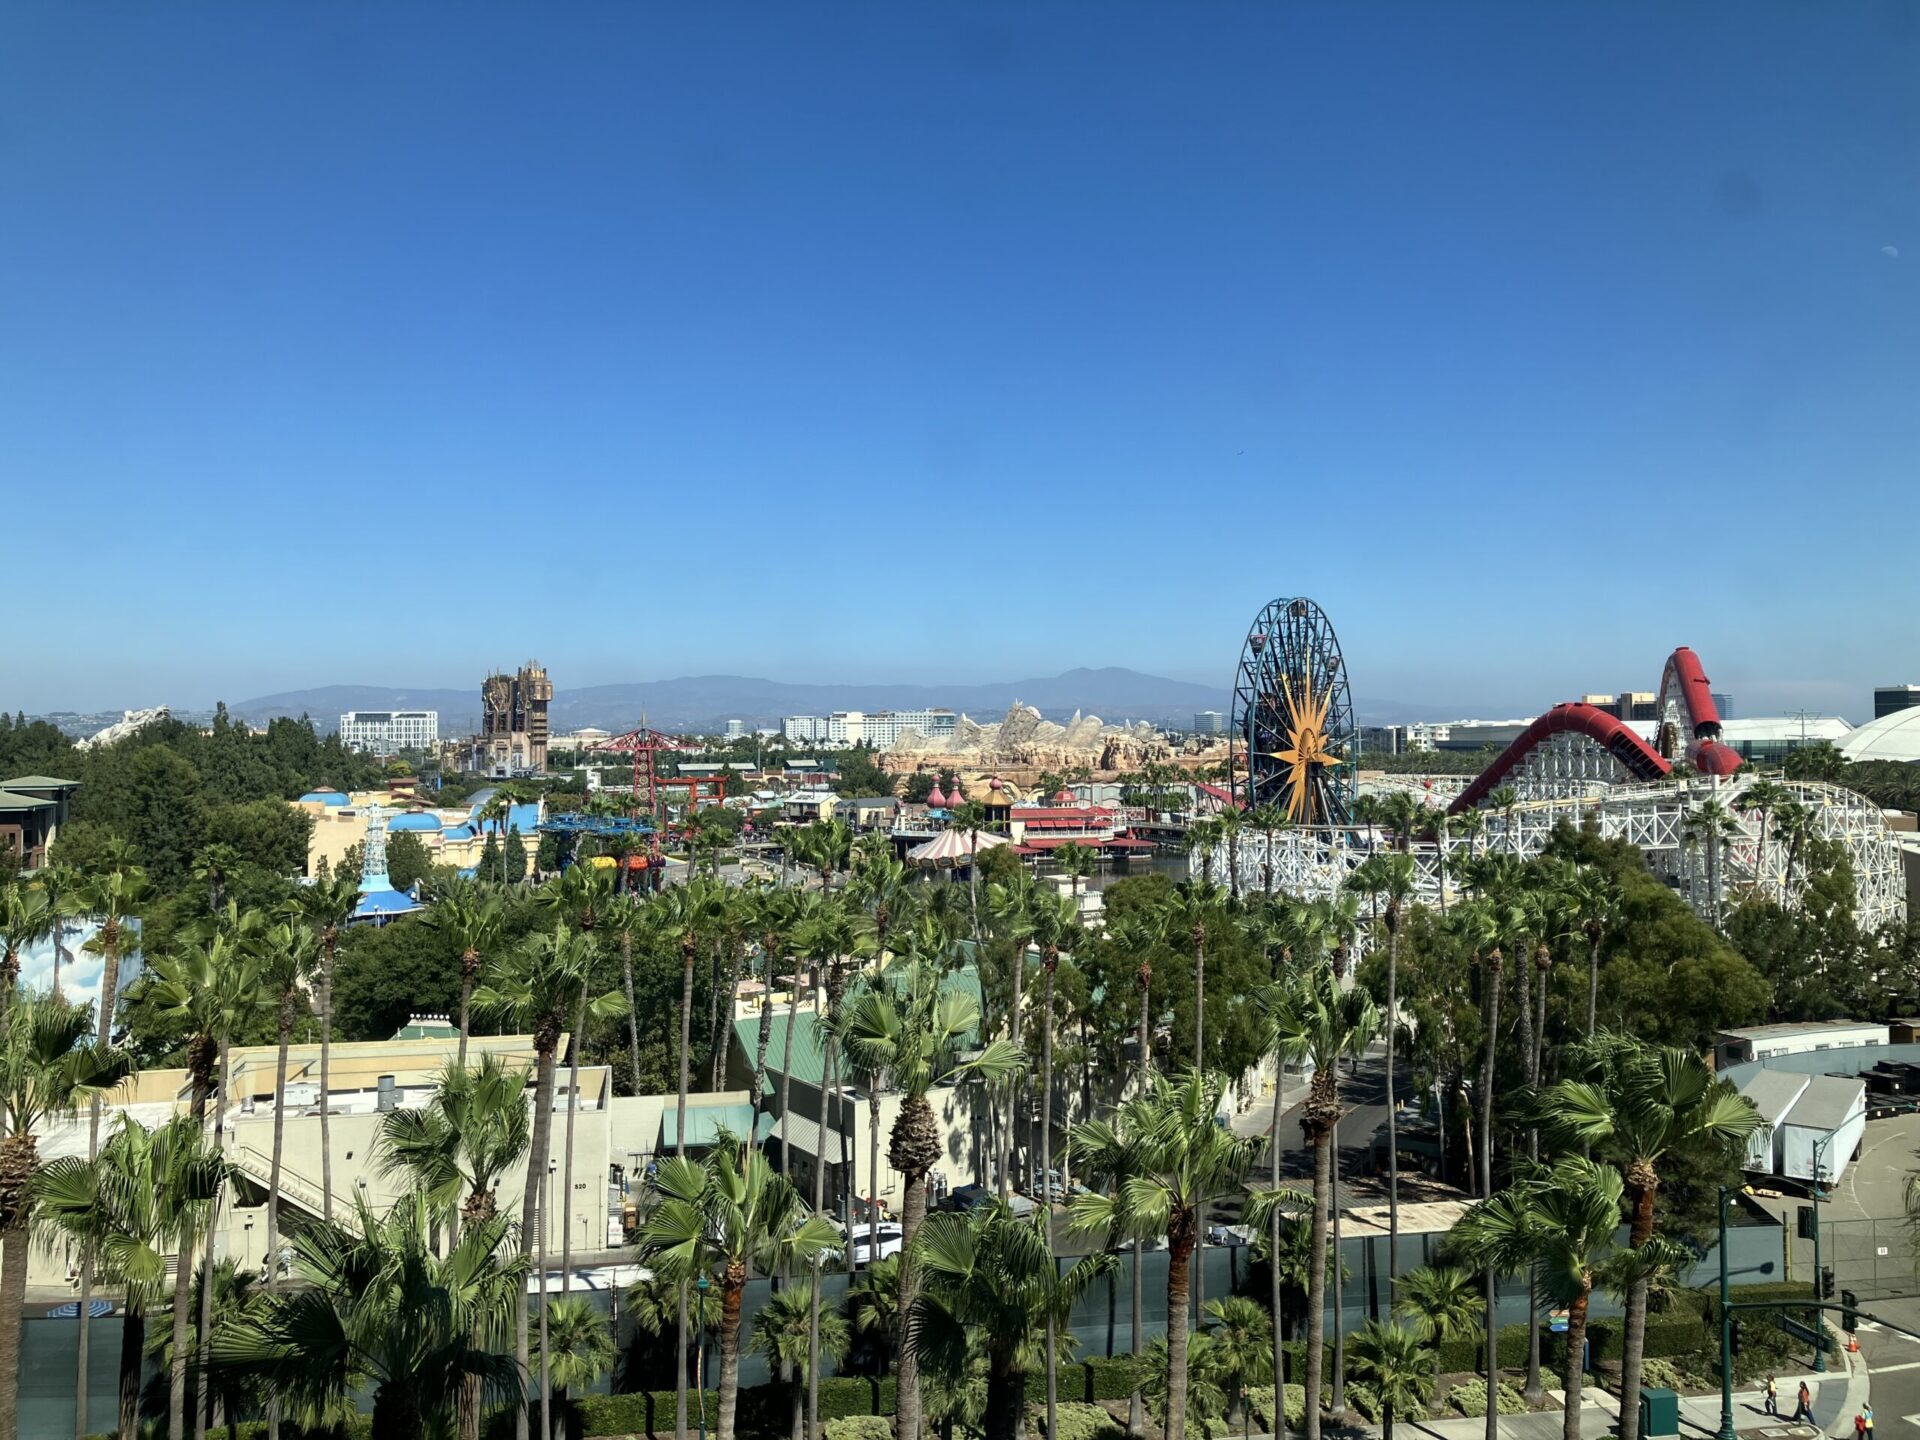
(1726, 1328)
(1819, 1276)
(700, 1359)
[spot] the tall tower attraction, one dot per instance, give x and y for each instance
(513, 720)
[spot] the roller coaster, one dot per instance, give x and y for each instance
(1680, 794)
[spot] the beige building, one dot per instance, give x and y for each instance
(453, 835)
(615, 1138)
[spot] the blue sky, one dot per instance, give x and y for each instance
(384, 343)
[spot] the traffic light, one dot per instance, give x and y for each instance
(1826, 1282)
(1803, 1224)
(1733, 1337)
(1849, 1317)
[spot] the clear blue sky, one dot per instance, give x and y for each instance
(381, 343)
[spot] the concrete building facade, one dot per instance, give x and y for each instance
(388, 732)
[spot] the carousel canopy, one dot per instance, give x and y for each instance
(954, 846)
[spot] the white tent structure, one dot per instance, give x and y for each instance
(955, 846)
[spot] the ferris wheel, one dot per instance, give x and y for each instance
(1293, 712)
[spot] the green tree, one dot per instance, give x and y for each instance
(1177, 1161)
(472, 917)
(1390, 880)
(916, 1031)
(408, 862)
(49, 1063)
(129, 1205)
(1440, 1303)
(784, 1332)
(536, 986)
(1317, 1023)
(726, 1218)
(456, 1148)
(990, 1287)
(1635, 1104)
(327, 905)
(1242, 1334)
(576, 1347)
(1391, 1360)
(379, 1311)
(268, 833)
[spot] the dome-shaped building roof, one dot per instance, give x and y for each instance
(934, 798)
(323, 797)
(413, 820)
(1891, 737)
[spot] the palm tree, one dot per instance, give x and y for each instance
(472, 918)
(1595, 903)
(1056, 924)
(784, 1332)
(327, 905)
(1712, 823)
(873, 1308)
(636, 923)
(1392, 1360)
(1195, 906)
(49, 1062)
(1562, 1223)
(377, 1310)
(1269, 820)
(112, 895)
(729, 1217)
(288, 958)
(1204, 1401)
(456, 1147)
(576, 1348)
(1637, 1103)
(1441, 1303)
(971, 818)
(1317, 1023)
(1077, 862)
(990, 1288)
(1506, 799)
(64, 888)
(26, 917)
(1177, 1161)
(129, 1205)
(1391, 880)
(1202, 839)
(497, 811)
(915, 1029)
(536, 986)
(1229, 823)
(1242, 1335)
(1792, 825)
(217, 988)
(1764, 797)
(1011, 908)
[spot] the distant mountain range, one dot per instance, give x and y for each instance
(704, 703)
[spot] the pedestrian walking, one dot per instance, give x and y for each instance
(1866, 1413)
(1773, 1397)
(1803, 1409)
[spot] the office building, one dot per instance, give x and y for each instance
(1723, 704)
(513, 721)
(1209, 722)
(736, 729)
(388, 732)
(1891, 699)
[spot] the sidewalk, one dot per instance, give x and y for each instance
(1837, 1397)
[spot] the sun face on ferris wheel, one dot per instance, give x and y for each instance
(1308, 750)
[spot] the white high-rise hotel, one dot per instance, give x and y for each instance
(388, 732)
(881, 729)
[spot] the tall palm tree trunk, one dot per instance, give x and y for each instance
(1393, 1122)
(1180, 1236)
(326, 1078)
(1641, 1182)
(1593, 983)
(732, 1287)
(1571, 1374)
(1337, 1405)
(1046, 1176)
(1014, 1088)
(133, 1359)
(182, 1312)
(204, 1349)
(1135, 1416)
(566, 1164)
(109, 997)
(1317, 1283)
(1486, 1189)
(273, 1180)
(469, 973)
(786, 1074)
(633, 1017)
(1273, 1254)
(546, 1039)
(764, 1038)
(686, 1061)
